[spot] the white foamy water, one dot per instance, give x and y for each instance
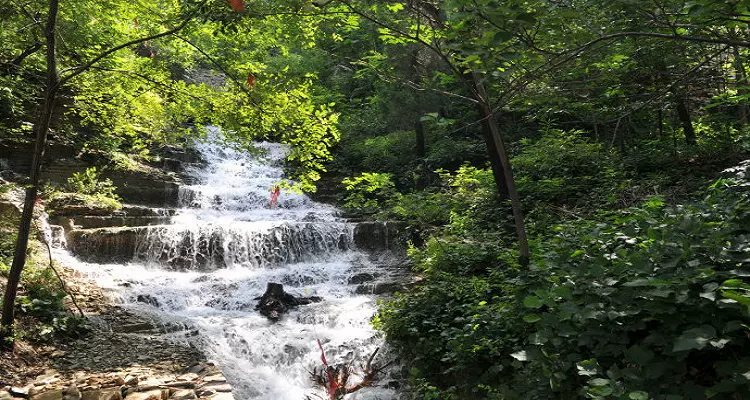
(206, 269)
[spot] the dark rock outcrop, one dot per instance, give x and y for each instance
(381, 236)
(111, 245)
(275, 301)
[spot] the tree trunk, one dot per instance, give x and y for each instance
(419, 132)
(19, 256)
(498, 172)
(687, 124)
(501, 168)
(741, 84)
(660, 122)
(423, 173)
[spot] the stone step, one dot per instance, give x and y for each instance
(95, 221)
(133, 210)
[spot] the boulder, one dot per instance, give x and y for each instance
(184, 394)
(150, 395)
(103, 394)
(20, 391)
(50, 395)
(71, 393)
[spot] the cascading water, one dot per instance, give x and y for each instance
(225, 243)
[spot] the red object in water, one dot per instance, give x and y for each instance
(332, 385)
(275, 192)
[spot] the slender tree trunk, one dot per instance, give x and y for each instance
(419, 132)
(687, 124)
(421, 151)
(503, 172)
(42, 127)
(660, 121)
(741, 83)
(498, 172)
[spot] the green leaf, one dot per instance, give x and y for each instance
(588, 367)
(520, 355)
(696, 338)
(639, 355)
(532, 302)
(601, 387)
(599, 382)
(531, 318)
(638, 395)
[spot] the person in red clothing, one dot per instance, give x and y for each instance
(275, 192)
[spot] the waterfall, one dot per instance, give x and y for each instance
(225, 242)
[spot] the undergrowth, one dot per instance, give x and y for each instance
(40, 307)
(647, 301)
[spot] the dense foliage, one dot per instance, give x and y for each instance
(617, 117)
(647, 302)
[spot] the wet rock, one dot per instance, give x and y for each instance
(131, 380)
(104, 221)
(139, 327)
(380, 236)
(361, 278)
(275, 301)
(111, 245)
(5, 395)
(148, 299)
(311, 217)
(387, 287)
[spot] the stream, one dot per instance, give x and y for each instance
(205, 269)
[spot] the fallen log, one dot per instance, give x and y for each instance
(275, 301)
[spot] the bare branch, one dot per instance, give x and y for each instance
(57, 274)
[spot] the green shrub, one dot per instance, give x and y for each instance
(649, 302)
(565, 168)
(369, 192)
(85, 193)
(40, 300)
(89, 182)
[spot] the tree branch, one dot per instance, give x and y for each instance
(75, 71)
(218, 65)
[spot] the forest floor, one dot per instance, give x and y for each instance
(124, 355)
